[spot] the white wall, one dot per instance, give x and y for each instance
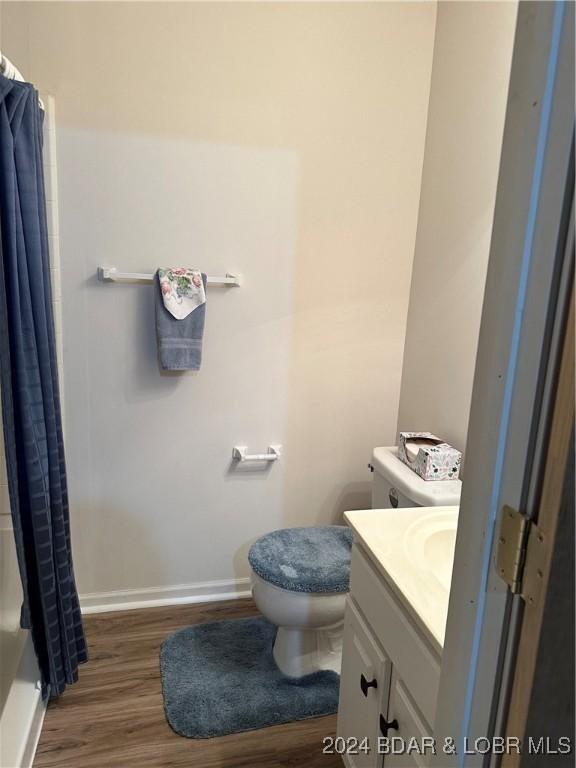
(281, 140)
(471, 67)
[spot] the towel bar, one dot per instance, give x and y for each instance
(111, 274)
(240, 453)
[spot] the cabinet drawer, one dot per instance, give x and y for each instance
(410, 726)
(364, 691)
(417, 662)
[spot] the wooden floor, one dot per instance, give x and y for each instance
(114, 717)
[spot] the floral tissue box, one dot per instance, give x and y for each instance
(429, 456)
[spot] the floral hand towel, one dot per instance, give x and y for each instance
(182, 290)
(179, 340)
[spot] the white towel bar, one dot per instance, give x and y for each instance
(111, 274)
(240, 453)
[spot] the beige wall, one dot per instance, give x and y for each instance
(472, 56)
(281, 140)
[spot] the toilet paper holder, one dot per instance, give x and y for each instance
(240, 453)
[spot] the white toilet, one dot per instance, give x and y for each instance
(300, 576)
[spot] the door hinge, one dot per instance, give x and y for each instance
(521, 555)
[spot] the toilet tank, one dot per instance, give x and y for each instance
(396, 485)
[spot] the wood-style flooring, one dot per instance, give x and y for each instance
(114, 717)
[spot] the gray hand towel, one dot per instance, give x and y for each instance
(179, 341)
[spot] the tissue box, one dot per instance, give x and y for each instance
(434, 459)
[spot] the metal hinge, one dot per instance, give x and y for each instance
(521, 555)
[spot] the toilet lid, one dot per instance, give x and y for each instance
(313, 559)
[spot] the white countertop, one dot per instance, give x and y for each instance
(413, 549)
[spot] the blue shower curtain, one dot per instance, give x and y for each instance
(30, 397)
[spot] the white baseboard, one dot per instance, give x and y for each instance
(152, 597)
(23, 714)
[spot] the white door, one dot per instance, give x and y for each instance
(364, 690)
(409, 743)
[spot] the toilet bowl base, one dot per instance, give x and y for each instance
(299, 652)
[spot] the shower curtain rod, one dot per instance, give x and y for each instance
(13, 73)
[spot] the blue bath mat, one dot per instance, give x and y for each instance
(221, 678)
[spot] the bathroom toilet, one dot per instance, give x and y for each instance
(300, 576)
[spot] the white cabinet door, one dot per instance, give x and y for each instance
(410, 653)
(409, 730)
(364, 690)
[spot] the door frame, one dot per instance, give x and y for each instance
(539, 665)
(524, 294)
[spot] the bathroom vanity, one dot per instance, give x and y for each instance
(394, 632)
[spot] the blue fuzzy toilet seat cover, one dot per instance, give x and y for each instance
(313, 559)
